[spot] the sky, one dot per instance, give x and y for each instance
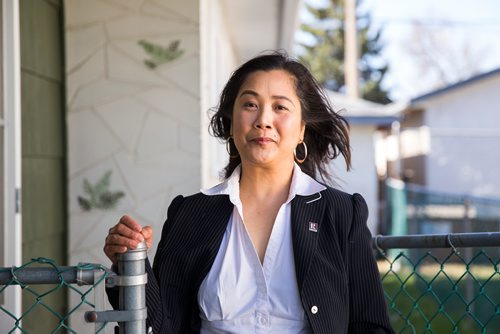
(456, 24)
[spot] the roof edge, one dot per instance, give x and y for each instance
(454, 86)
(371, 120)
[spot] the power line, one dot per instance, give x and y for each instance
(439, 22)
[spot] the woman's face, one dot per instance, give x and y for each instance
(267, 121)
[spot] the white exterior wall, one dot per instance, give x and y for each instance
(143, 125)
(363, 177)
(218, 62)
(465, 139)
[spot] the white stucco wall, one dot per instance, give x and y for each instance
(218, 61)
(465, 139)
(141, 124)
(363, 177)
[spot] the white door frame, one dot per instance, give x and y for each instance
(12, 243)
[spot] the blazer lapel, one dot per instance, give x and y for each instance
(307, 216)
(197, 232)
(215, 217)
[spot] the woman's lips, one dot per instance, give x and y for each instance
(262, 140)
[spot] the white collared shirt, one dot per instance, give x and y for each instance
(241, 295)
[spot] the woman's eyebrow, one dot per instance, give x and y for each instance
(249, 92)
(279, 97)
(276, 97)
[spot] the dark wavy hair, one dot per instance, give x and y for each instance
(326, 132)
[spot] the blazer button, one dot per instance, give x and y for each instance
(314, 309)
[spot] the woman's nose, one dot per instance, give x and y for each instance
(264, 119)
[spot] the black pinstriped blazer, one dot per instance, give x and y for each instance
(335, 267)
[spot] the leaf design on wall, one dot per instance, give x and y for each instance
(160, 54)
(98, 195)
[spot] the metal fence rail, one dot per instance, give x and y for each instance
(453, 240)
(130, 280)
(86, 277)
(455, 288)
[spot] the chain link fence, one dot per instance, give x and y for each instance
(40, 278)
(448, 289)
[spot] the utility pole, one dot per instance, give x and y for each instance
(351, 50)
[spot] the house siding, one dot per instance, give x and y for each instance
(413, 165)
(43, 149)
(362, 178)
(465, 137)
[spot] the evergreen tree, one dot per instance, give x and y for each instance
(325, 56)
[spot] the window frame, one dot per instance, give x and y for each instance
(10, 103)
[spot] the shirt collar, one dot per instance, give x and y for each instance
(302, 184)
(230, 186)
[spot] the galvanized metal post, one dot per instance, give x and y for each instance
(132, 270)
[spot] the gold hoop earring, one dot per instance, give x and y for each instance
(228, 149)
(305, 153)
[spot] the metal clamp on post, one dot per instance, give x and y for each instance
(85, 273)
(127, 280)
(131, 280)
(115, 316)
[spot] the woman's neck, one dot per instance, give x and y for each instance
(263, 183)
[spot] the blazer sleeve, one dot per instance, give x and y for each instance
(157, 317)
(368, 310)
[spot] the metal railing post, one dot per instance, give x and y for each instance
(131, 282)
(132, 270)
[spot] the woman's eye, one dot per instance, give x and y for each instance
(249, 105)
(281, 107)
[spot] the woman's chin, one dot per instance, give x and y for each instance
(265, 160)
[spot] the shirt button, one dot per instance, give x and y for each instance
(314, 309)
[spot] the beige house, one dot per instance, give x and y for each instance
(450, 137)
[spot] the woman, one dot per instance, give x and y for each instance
(269, 250)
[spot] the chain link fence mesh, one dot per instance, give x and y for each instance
(36, 296)
(439, 291)
(443, 290)
(442, 293)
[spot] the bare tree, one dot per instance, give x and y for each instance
(440, 55)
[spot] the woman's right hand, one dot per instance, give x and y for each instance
(127, 234)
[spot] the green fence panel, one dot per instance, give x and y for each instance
(436, 292)
(443, 290)
(34, 275)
